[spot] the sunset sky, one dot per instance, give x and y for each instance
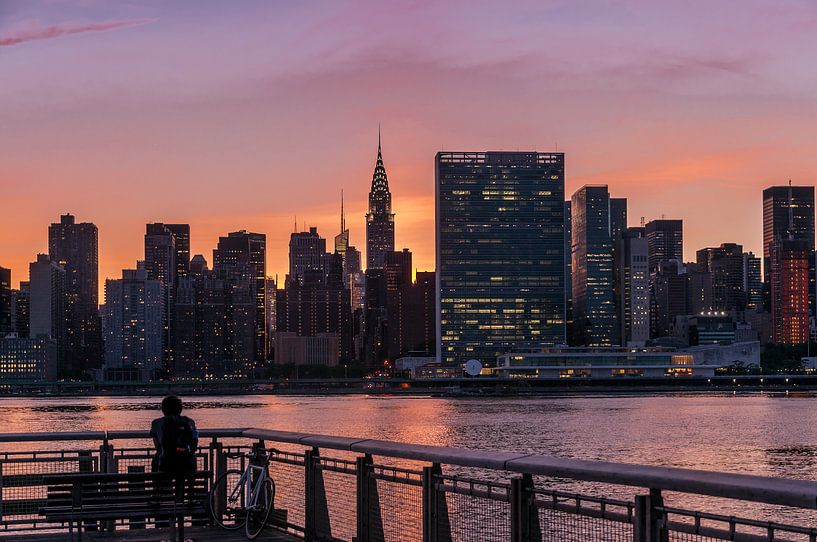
(243, 115)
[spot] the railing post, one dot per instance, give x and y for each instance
(1, 491)
(524, 515)
(436, 525)
(369, 518)
(85, 465)
(649, 522)
(657, 517)
(219, 462)
(107, 460)
(640, 530)
(316, 510)
(107, 463)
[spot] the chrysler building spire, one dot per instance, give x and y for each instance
(379, 219)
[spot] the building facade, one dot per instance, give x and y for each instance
(5, 301)
(500, 253)
(654, 362)
(618, 219)
(75, 247)
(632, 287)
(665, 240)
(47, 300)
(20, 310)
(788, 235)
(789, 277)
(181, 238)
(133, 324)
(24, 359)
(568, 270)
(380, 218)
(160, 265)
(320, 349)
(240, 261)
(411, 317)
(307, 253)
(594, 308)
(752, 281)
(725, 266)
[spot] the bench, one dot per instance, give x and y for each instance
(95, 501)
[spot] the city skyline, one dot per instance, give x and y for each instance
(677, 128)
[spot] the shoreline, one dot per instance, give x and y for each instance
(473, 392)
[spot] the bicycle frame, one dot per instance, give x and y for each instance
(250, 483)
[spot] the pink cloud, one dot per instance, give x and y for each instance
(38, 32)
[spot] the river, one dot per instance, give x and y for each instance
(758, 434)
(755, 434)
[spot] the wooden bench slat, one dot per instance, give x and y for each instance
(106, 496)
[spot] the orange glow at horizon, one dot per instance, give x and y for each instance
(126, 114)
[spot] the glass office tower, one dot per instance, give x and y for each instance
(594, 311)
(500, 253)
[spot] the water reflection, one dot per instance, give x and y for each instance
(755, 434)
(751, 434)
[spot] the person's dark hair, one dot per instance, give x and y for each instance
(171, 406)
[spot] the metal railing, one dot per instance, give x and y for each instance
(337, 488)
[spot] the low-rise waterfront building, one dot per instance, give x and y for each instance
(612, 362)
(411, 362)
(27, 359)
(318, 349)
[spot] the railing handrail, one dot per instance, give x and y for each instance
(109, 435)
(763, 489)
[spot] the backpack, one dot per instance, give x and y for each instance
(179, 444)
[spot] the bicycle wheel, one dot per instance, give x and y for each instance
(259, 513)
(228, 501)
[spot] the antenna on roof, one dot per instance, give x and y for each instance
(342, 218)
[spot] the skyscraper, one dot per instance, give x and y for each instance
(47, 304)
(75, 247)
(181, 235)
(789, 278)
(632, 287)
(500, 253)
(317, 302)
(240, 260)
(307, 254)
(725, 267)
(20, 305)
(669, 287)
(568, 270)
(665, 239)
(752, 281)
(5, 301)
(160, 265)
(349, 254)
(594, 313)
(618, 219)
(133, 321)
(379, 219)
(788, 214)
(411, 317)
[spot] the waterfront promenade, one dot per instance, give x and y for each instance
(453, 387)
(341, 488)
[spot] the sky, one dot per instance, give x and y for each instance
(248, 114)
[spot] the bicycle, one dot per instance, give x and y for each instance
(247, 496)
